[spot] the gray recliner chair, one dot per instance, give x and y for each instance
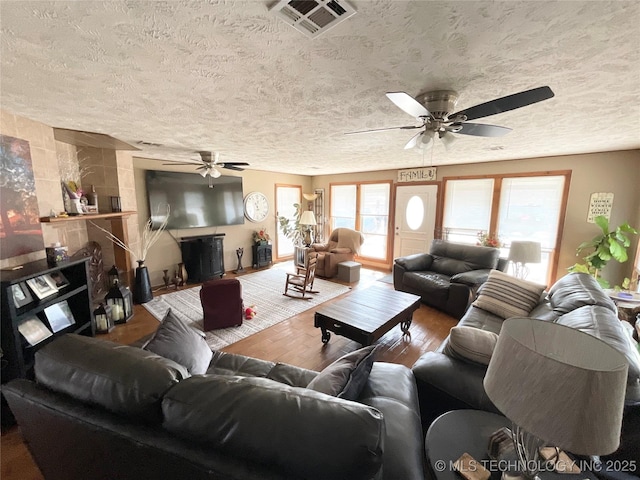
(448, 277)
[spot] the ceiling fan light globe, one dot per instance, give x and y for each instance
(447, 139)
(215, 173)
(204, 173)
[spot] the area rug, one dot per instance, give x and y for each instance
(387, 278)
(262, 289)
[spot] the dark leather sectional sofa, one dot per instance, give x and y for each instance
(448, 277)
(105, 411)
(576, 300)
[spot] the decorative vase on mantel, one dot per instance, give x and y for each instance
(142, 291)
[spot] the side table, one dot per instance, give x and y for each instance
(459, 431)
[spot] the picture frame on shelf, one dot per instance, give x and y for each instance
(59, 316)
(33, 330)
(21, 295)
(58, 279)
(42, 286)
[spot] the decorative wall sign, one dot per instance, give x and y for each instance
(427, 174)
(600, 204)
(20, 230)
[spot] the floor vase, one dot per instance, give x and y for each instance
(142, 291)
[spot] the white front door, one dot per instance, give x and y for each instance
(415, 219)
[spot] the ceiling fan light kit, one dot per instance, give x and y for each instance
(208, 167)
(435, 113)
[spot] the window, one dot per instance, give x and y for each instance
(527, 207)
(467, 209)
(343, 206)
(364, 207)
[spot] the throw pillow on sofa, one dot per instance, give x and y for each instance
(507, 296)
(347, 376)
(179, 342)
(471, 343)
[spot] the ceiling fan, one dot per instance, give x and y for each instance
(433, 112)
(209, 167)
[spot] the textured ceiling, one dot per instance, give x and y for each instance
(231, 77)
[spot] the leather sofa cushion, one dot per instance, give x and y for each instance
(223, 363)
(600, 322)
(303, 433)
(415, 262)
(460, 380)
(291, 375)
(177, 341)
(576, 290)
(433, 285)
(451, 258)
(392, 390)
(123, 379)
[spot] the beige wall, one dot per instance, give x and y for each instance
(617, 172)
(45, 151)
(166, 253)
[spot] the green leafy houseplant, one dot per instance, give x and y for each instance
(604, 247)
(291, 228)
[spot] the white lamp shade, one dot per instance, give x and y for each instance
(525, 252)
(307, 218)
(560, 384)
(310, 197)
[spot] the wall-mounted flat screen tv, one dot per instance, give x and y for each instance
(193, 204)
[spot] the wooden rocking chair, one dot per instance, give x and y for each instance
(302, 282)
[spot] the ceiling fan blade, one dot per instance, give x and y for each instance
(408, 127)
(504, 104)
(236, 164)
(228, 166)
(183, 163)
(480, 129)
(414, 141)
(406, 102)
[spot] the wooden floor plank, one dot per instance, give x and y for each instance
(295, 341)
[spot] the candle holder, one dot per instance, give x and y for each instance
(116, 204)
(120, 300)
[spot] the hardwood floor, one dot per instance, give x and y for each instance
(295, 341)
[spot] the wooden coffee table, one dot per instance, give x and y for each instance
(366, 315)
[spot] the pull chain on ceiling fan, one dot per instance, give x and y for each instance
(433, 112)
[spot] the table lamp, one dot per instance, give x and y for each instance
(521, 253)
(560, 387)
(309, 219)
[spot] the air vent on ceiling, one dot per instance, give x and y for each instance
(148, 144)
(313, 17)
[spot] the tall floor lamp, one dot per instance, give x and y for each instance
(521, 253)
(548, 379)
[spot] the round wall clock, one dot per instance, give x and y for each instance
(256, 206)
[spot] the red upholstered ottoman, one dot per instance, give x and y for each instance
(222, 303)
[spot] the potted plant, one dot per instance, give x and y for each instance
(292, 229)
(261, 237)
(489, 240)
(603, 248)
